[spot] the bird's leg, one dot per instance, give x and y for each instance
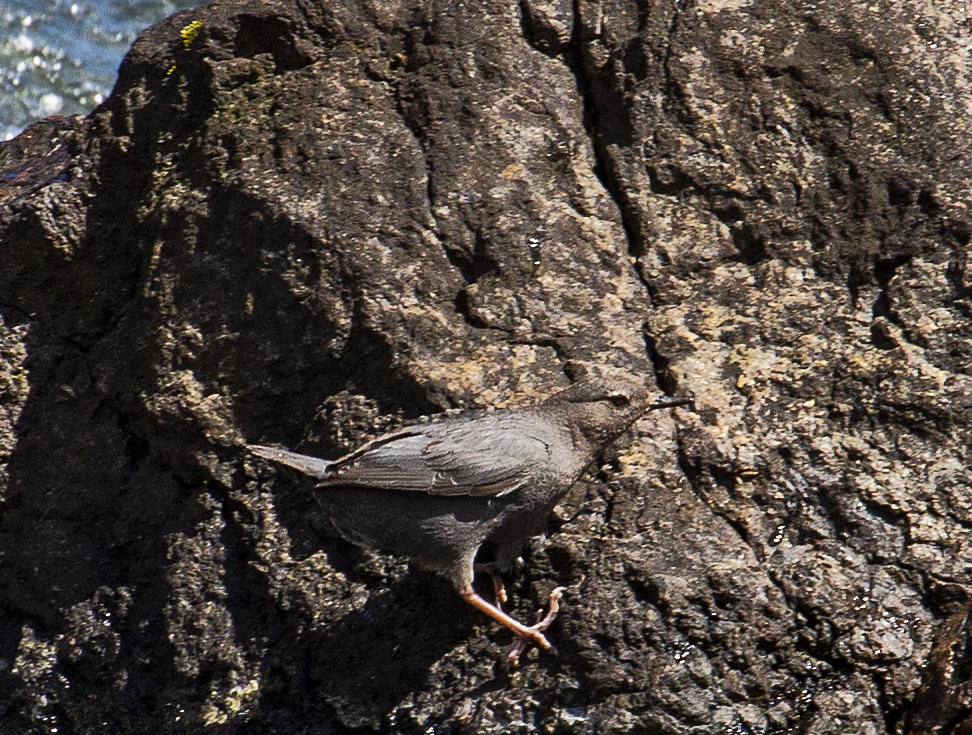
(499, 589)
(532, 633)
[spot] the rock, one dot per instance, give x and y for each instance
(308, 223)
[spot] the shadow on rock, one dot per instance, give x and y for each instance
(366, 662)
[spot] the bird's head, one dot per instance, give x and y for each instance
(599, 410)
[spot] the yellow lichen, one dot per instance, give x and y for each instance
(188, 33)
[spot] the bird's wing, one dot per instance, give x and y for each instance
(454, 458)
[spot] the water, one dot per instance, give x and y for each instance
(62, 56)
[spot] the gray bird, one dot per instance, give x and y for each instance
(438, 493)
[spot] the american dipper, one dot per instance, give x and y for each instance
(437, 493)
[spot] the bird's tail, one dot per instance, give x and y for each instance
(316, 468)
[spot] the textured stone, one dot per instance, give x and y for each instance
(312, 222)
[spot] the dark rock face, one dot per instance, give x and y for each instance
(310, 222)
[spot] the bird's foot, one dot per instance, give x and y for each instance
(533, 633)
(536, 631)
(499, 589)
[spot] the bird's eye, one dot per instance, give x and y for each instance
(619, 399)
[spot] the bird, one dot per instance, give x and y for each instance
(440, 493)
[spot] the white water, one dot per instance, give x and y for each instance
(62, 56)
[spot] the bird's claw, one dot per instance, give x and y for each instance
(536, 631)
(499, 589)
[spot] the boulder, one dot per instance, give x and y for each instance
(307, 223)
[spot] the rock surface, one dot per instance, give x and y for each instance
(308, 222)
